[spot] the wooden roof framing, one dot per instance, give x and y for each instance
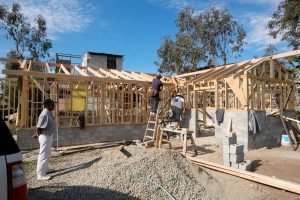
(234, 69)
(73, 72)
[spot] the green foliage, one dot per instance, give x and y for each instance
(26, 38)
(270, 50)
(286, 22)
(212, 33)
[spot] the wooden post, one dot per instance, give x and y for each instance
(263, 101)
(102, 105)
(226, 95)
(194, 97)
(272, 69)
(204, 106)
(216, 95)
(245, 88)
(258, 98)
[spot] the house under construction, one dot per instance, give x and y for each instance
(116, 107)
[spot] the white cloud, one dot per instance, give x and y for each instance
(257, 33)
(61, 15)
(273, 3)
(196, 4)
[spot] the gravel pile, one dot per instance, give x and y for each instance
(135, 173)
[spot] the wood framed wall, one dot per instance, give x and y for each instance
(246, 85)
(106, 97)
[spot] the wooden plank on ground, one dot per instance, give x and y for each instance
(95, 145)
(266, 180)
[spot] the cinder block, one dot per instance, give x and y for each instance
(227, 164)
(235, 165)
(226, 156)
(226, 149)
(236, 158)
(229, 140)
(236, 149)
(246, 165)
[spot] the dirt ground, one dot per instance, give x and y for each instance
(151, 173)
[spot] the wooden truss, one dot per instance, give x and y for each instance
(108, 96)
(246, 85)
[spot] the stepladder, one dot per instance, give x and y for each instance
(151, 128)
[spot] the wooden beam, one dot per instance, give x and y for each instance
(23, 64)
(250, 67)
(134, 77)
(147, 76)
(108, 74)
(29, 65)
(94, 72)
(266, 180)
(272, 69)
(220, 72)
(233, 69)
(72, 77)
(239, 93)
(47, 68)
(192, 74)
(142, 77)
(203, 76)
(287, 54)
(119, 74)
(64, 69)
(80, 71)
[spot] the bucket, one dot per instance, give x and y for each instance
(285, 140)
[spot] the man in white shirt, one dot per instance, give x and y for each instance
(177, 105)
(45, 129)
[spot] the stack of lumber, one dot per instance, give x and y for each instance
(78, 148)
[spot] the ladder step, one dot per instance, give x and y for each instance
(150, 129)
(152, 121)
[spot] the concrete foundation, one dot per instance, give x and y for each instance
(88, 135)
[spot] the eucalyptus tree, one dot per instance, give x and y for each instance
(211, 34)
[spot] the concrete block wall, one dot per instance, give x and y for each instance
(269, 136)
(88, 135)
(239, 126)
(271, 131)
(190, 121)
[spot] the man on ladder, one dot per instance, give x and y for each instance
(157, 86)
(153, 92)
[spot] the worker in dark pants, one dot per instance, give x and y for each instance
(177, 105)
(157, 86)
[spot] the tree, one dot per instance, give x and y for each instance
(220, 33)
(183, 54)
(212, 33)
(270, 50)
(26, 38)
(30, 42)
(285, 22)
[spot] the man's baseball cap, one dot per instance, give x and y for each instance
(49, 102)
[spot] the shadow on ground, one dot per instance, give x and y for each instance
(76, 167)
(255, 165)
(76, 192)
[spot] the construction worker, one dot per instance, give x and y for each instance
(177, 105)
(46, 128)
(157, 86)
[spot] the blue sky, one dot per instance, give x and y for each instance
(134, 28)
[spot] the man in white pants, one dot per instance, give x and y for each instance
(46, 128)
